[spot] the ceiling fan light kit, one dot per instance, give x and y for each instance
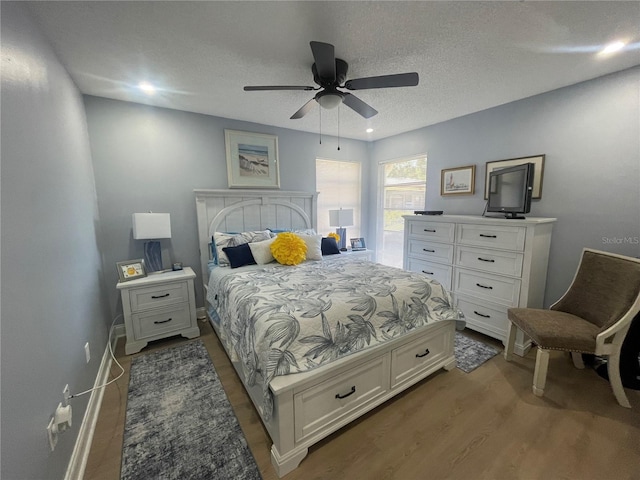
(330, 74)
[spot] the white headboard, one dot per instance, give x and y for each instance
(246, 210)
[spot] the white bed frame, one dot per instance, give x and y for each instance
(311, 405)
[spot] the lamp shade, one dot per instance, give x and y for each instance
(341, 218)
(151, 225)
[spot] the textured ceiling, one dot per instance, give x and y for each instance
(470, 55)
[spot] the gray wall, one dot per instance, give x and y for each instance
(590, 134)
(148, 158)
(52, 288)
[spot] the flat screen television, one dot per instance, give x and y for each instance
(510, 190)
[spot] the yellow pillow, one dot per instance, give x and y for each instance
(289, 249)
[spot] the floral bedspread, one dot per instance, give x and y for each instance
(281, 319)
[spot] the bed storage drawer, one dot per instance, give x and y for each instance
(158, 296)
(157, 322)
(320, 407)
(412, 359)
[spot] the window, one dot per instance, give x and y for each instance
(403, 190)
(338, 184)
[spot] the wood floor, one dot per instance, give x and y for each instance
(483, 425)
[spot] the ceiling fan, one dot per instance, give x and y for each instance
(330, 74)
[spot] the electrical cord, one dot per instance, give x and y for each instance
(113, 324)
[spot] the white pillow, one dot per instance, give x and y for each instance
(261, 251)
(314, 246)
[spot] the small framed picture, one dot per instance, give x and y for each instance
(458, 181)
(131, 269)
(358, 244)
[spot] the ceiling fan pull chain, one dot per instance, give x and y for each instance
(320, 110)
(338, 127)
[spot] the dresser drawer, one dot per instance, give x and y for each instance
(322, 406)
(494, 261)
(437, 271)
(159, 322)
(502, 290)
(486, 317)
(437, 252)
(159, 296)
(443, 232)
(412, 359)
(495, 236)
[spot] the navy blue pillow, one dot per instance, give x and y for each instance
(329, 246)
(239, 256)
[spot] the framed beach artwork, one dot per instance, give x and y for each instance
(252, 160)
(538, 172)
(458, 181)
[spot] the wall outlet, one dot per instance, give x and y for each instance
(87, 351)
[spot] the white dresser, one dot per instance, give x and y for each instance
(158, 306)
(488, 264)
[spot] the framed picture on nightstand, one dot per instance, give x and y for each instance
(358, 244)
(131, 269)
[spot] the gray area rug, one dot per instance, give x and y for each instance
(179, 422)
(471, 353)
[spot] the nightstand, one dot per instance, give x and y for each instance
(158, 306)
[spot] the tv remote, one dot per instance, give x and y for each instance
(428, 212)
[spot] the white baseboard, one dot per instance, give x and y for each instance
(78, 462)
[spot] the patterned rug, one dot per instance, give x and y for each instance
(470, 353)
(179, 423)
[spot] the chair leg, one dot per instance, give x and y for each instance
(577, 360)
(613, 368)
(540, 372)
(511, 342)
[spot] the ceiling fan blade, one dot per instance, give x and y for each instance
(358, 105)
(277, 87)
(325, 58)
(384, 81)
(306, 108)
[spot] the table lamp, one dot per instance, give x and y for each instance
(340, 219)
(152, 226)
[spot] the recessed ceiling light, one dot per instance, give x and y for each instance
(147, 88)
(612, 47)
(369, 130)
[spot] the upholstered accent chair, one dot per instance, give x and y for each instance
(593, 316)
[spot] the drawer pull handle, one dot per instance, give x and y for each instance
(423, 355)
(488, 236)
(428, 250)
(353, 390)
(160, 296)
(481, 314)
(490, 260)
(484, 286)
(163, 321)
(428, 273)
(429, 230)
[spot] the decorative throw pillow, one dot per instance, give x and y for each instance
(314, 251)
(239, 256)
(223, 240)
(289, 249)
(261, 251)
(329, 246)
